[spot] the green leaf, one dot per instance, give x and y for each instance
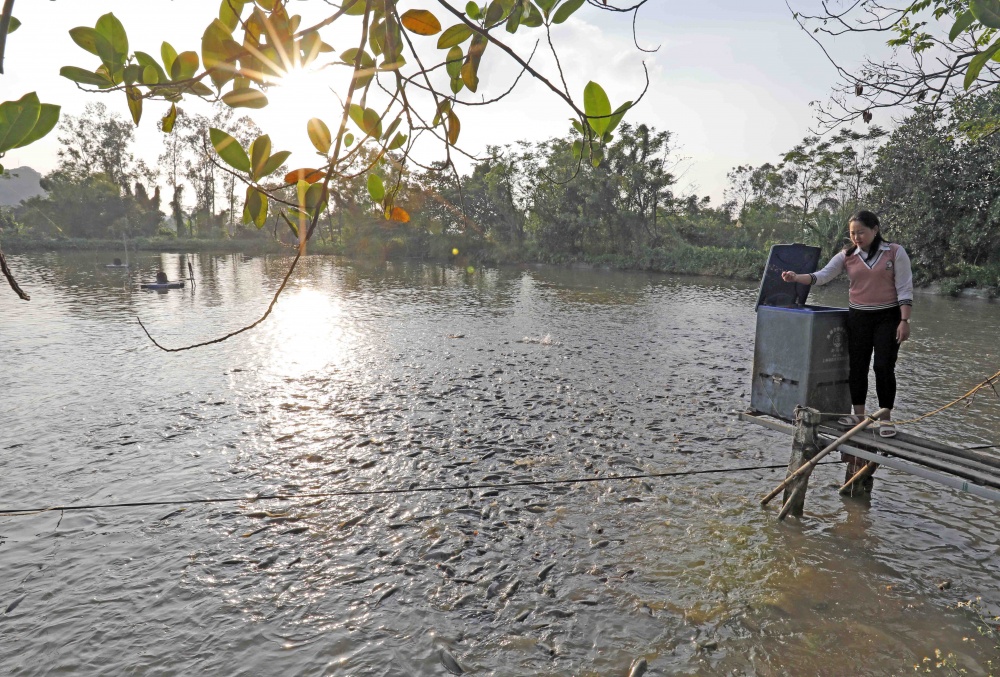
(442, 109)
(455, 35)
(596, 155)
(255, 207)
(113, 61)
(373, 124)
(260, 151)
(169, 55)
(376, 189)
(111, 29)
(85, 77)
(348, 140)
(597, 107)
(14, 25)
(354, 7)
(167, 123)
(566, 10)
(245, 98)
(494, 13)
(229, 13)
(514, 19)
(457, 85)
(532, 17)
(132, 74)
(229, 149)
(17, 119)
(147, 61)
(367, 119)
(978, 61)
(964, 20)
(274, 163)
(366, 70)
(394, 65)
(546, 6)
(184, 66)
(618, 115)
(134, 97)
(197, 88)
(392, 127)
(357, 114)
(47, 119)
(219, 53)
(86, 38)
(350, 56)
(987, 12)
(397, 141)
(312, 198)
(312, 46)
(454, 62)
(472, 10)
(319, 134)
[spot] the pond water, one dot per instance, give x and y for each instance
(404, 376)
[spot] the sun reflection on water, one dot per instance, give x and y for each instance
(307, 333)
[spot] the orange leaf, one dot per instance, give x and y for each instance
(399, 214)
(304, 174)
(421, 22)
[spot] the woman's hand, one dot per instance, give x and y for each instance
(902, 331)
(789, 276)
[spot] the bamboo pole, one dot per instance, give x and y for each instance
(787, 507)
(868, 469)
(807, 467)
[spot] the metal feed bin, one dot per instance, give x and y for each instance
(800, 351)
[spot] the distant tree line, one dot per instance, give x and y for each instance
(933, 180)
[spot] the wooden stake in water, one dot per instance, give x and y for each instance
(807, 467)
(868, 469)
(805, 445)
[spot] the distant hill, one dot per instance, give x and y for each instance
(19, 184)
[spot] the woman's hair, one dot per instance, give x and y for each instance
(869, 220)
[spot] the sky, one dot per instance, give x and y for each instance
(731, 80)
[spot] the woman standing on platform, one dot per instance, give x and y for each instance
(881, 299)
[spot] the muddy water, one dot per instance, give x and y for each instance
(407, 376)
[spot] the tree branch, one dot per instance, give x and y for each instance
(10, 278)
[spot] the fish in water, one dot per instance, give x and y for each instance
(638, 668)
(387, 594)
(351, 522)
(13, 605)
(450, 663)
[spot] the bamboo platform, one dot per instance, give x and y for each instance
(974, 471)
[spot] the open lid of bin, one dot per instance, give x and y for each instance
(799, 258)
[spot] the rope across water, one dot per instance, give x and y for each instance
(22, 512)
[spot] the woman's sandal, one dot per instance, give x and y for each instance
(851, 419)
(886, 429)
